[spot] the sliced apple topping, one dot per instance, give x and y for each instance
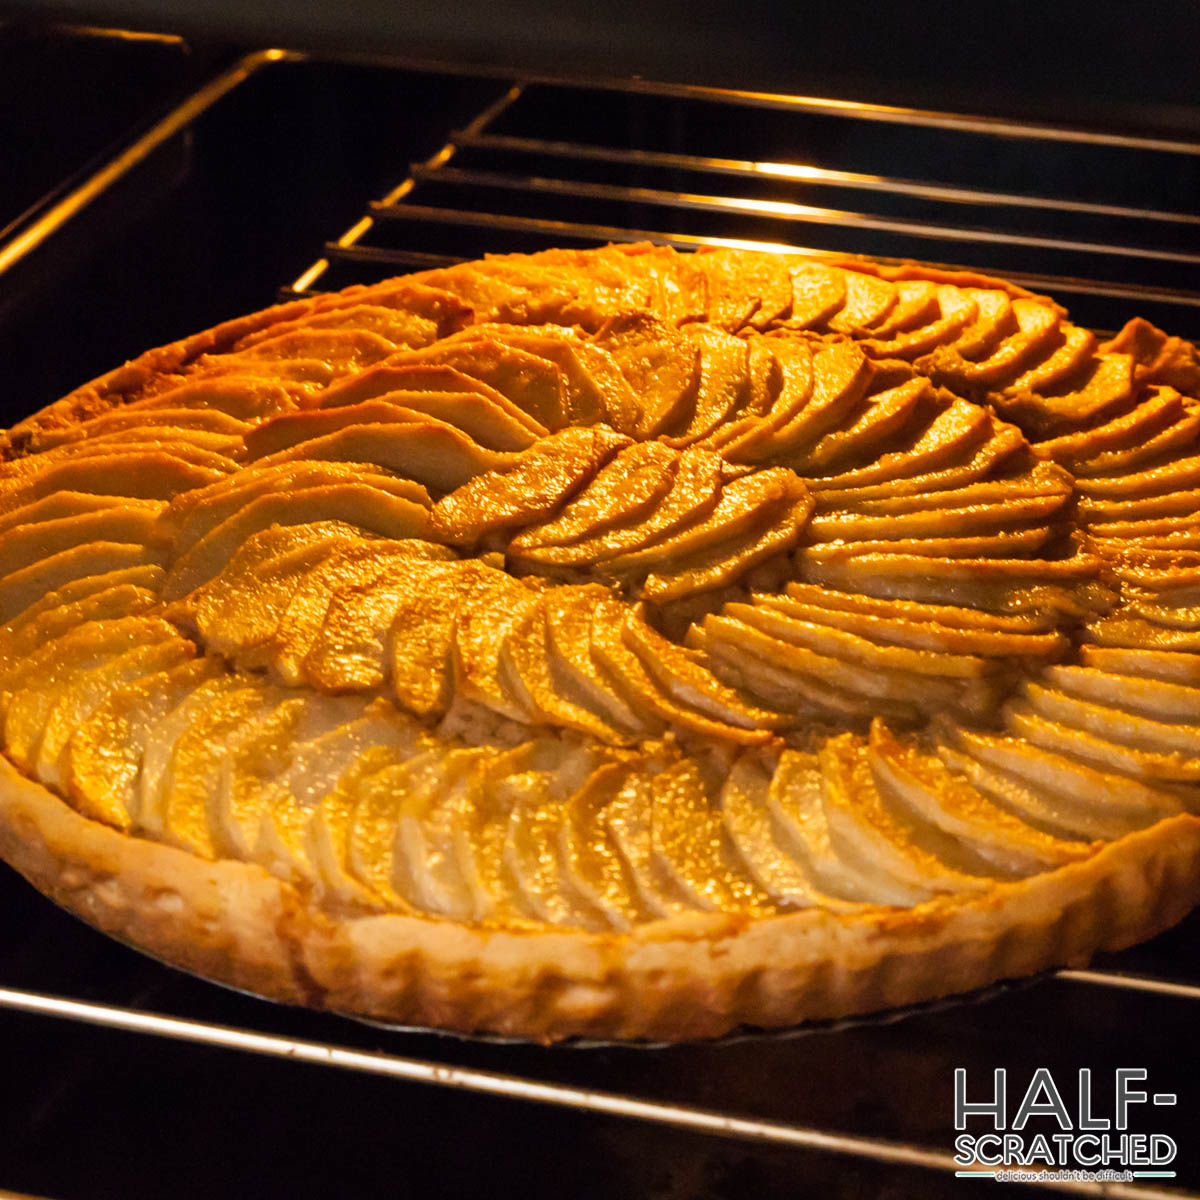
(694, 492)
(922, 321)
(624, 491)
(750, 829)
(362, 505)
(922, 783)
(1038, 329)
(661, 366)
(744, 287)
(533, 485)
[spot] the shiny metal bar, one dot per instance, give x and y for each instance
(804, 173)
(785, 210)
(616, 233)
(886, 113)
(95, 185)
(1133, 983)
(305, 281)
(514, 1087)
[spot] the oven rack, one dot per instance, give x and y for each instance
(507, 183)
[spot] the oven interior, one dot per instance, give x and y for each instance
(238, 179)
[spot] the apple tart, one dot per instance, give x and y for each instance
(614, 643)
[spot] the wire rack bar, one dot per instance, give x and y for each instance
(177, 120)
(513, 1087)
(618, 233)
(305, 281)
(1133, 983)
(805, 173)
(888, 114)
(778, 210)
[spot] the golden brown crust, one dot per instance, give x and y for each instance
(686, 978)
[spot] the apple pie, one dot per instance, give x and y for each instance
(614, 643)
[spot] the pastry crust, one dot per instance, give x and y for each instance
(671, 980)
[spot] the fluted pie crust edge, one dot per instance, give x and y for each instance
(692, 977)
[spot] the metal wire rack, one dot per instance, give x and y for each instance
(1088, 215)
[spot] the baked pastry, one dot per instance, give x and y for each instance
(614, 643)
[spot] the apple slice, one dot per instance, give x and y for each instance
(62, 505)
(628, 820)
(432, 453)
(588, 857)
(827, 639)
(746, 817)
(922, 783)
(685, 678)
(723, 387)
(1039, 482)
(79, 697)
(995, 322)
(533, 384)
(1037, 806)
(743, 286)
(747, 668)
(957, 447)
(281, 818)
(1160, 411)
(1166, 665)
(532, 851)
(641, 691)
(920, 634)
(394, 325)
(193, 514)
(1182, 435)
(579, 678)
(745, 504)
(1099, 750)
(1148, 697)
(32, 686)
(864, 830)
(150, 474)
(369, 508)
(868, 302)
(841, 374)
(527, 671)
(689, 845)
(1037, 335)
(1115, 724)
(107, 597)
(1056, 370)
(626, 490)
(354, 649)
(887, 415)
(916, 305)
(241, 608)
(694, 492)
(534, 485)
(102, 761)
(26, 545)
(724, 563)
(935, 523)
(1179, 474)
(660, 365)
(801, 827)
(194, 763)
(359, 564)
(818, 292)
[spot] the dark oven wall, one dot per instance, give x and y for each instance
(1104, 62)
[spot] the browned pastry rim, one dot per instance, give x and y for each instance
(674, 979)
